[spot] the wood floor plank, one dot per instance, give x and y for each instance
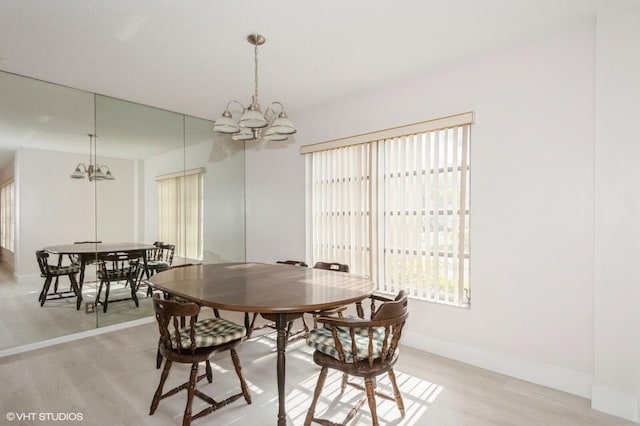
(110, 379)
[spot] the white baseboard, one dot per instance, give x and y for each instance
(616, 403)
(609, 401)
(570, 381)
(76, 336)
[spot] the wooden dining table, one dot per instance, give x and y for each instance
(89, 250)
(277, 292)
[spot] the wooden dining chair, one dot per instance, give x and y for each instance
(51, 272)
(292, 262)
(291, 335)
(121, 267)
(329, 266)
(169, 296)
(158, 258)
(192, 344)
(332, 266)
(360, 347)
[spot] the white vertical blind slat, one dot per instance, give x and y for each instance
(396, 210)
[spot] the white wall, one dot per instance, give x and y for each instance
(223, 209)
(617, 233)
(54, 209)
(532, 203)
(275, 182)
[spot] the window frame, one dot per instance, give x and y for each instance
(379, 248)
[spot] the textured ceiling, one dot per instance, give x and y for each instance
(191, 56)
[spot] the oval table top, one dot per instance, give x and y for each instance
(263, 288)
(87, 248)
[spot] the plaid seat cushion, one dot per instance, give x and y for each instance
(378, 332)
(157, 264)
(117, 274)
(322, 340)
(69, 269)
(212, 332)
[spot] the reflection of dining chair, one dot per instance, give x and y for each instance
(196, 342)
(49, 272)
(86, 259)
(362, 347)
(118, 267)
(159, 257)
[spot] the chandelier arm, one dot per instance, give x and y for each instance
(233, 101)
(270, 113)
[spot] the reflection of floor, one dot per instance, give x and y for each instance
(110, 379)
(24, 321)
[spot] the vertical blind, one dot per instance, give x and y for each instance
(341, 219)
(180, 216)
(395, 209)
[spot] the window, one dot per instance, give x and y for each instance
(394, 205)
(180, 216)
(7, 208)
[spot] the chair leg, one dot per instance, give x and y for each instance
(98, 293)
(134, 296)
(45, 290)
(343, 383)
(249, 326)
(159, 355)
(209, 371)
(158, 394)
(316, 394)
(149, 273)
(371, 399)
(243, 384)
(106, 296)
(76, 289)
(191, 390)
(396, 392)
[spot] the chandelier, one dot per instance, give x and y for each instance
(252, 121)
(94, 171)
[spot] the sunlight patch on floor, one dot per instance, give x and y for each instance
(417, 394)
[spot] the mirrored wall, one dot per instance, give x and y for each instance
(47, 126)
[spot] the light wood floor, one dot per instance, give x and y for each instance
(24, 321)
(110, 379)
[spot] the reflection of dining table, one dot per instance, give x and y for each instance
(86, 252)
(279, 292)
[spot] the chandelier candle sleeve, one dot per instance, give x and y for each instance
(252, 122)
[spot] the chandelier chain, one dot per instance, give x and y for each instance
(255, 76)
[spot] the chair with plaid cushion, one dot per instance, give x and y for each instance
(291, 335)
(49, 272)
(158, 258)
(329, 266)
(361, 347)
(118, 267)
(192, 344)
